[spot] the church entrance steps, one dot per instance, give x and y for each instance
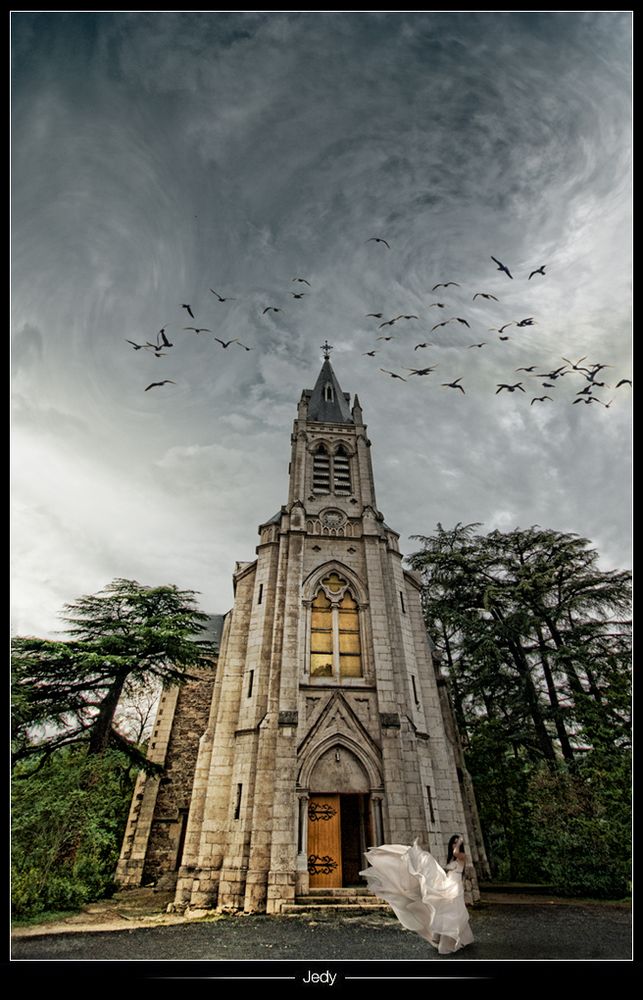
(355, 899)
(328, 908)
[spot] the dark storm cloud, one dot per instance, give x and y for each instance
(158, 155)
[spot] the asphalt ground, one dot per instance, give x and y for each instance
(259, 945)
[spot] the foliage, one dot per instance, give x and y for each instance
(535, 640)
(66, 693)
(68, 825)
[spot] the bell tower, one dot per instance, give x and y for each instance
(330, 728)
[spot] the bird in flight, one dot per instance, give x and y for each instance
(390, 337)
(226, 343)
(392, 374)
(624, 381)
(587, 399)
(269, 308)
(421, 371)
(539, 270)
(377, 239)
(221, 298)
(539, 399)
(389, 322)
(547, 385)
(297, 295)
(369, 354)
(137, 347)
(184, 305)
(407, 317)
(576, 367)
(502, 267)
(418, 346)
(529, 321)
(557, 373)
(485, 295)
(443, 323)
(503, 338)
(495, 329)
(241, 345)
(440, 305)
(445, 284)
(461, 321)
(165, 341)
(530, 369)
(164, 382)
(304, 281)
(376, 315)
(454, 384)
(511, 388)
(198, 329)
(477, 345)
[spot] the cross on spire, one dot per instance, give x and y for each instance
(326, 348)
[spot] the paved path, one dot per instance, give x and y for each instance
(520, 931)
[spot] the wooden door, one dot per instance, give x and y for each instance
(324, 842)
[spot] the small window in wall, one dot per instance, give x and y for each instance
(429, 799)
(415, 690)
(237, 808)
(260, 597)
(341, 472)
(329, 395)
(402, 603)
(321, 471)
(251, 677)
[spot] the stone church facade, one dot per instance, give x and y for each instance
(326, 727)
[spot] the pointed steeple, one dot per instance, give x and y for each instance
(327, 403)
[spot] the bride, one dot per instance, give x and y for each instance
(425, 897)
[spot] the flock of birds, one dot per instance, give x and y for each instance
(589, 371)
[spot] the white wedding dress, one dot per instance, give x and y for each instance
(425, 897)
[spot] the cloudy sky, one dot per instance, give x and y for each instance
(159, 155)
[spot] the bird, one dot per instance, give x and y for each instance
(624, 381)
(269, 308)
(241, 345)
(304, 281)
(585, 391)
(377, 239)
(166, 342)
(576, 367)
(297, 295)
(445, 284)
(539, 399)
(418, 346)
(511, 388)
(407, 317)
(390, 337)
(557, 373)
(503, 338)
(495, 329)
(392, 374)
(226, 343)
(369, 354)
(485, 295)
(164, 382)
(477, 345)
(198, 329)
(137, 347)
(606, 405)
(221, 298)
(587, 399)
(421, 371)
(529, 321)
(530, 369)
(389, 322)
(376, 315)
(461, 321)
(547, 385)
(184, 305)
(454, 384)
(502, 267)
(539, 270)
(443, 323)
(440, 305)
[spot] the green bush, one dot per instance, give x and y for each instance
(68, 823)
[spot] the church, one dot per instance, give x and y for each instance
(326, 727)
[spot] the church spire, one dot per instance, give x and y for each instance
(327, 403)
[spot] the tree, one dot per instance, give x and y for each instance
(66, 693)
(537, 650)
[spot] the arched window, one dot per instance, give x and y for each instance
(335, 645)
(329, 395)
(341, 472)
(321, 470)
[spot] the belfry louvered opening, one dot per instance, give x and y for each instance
(341, 472)
(321, 470)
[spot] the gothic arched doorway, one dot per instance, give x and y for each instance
(339, 822)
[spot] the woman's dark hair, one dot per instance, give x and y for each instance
(452, 841)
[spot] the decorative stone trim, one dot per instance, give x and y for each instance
(288, 718)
